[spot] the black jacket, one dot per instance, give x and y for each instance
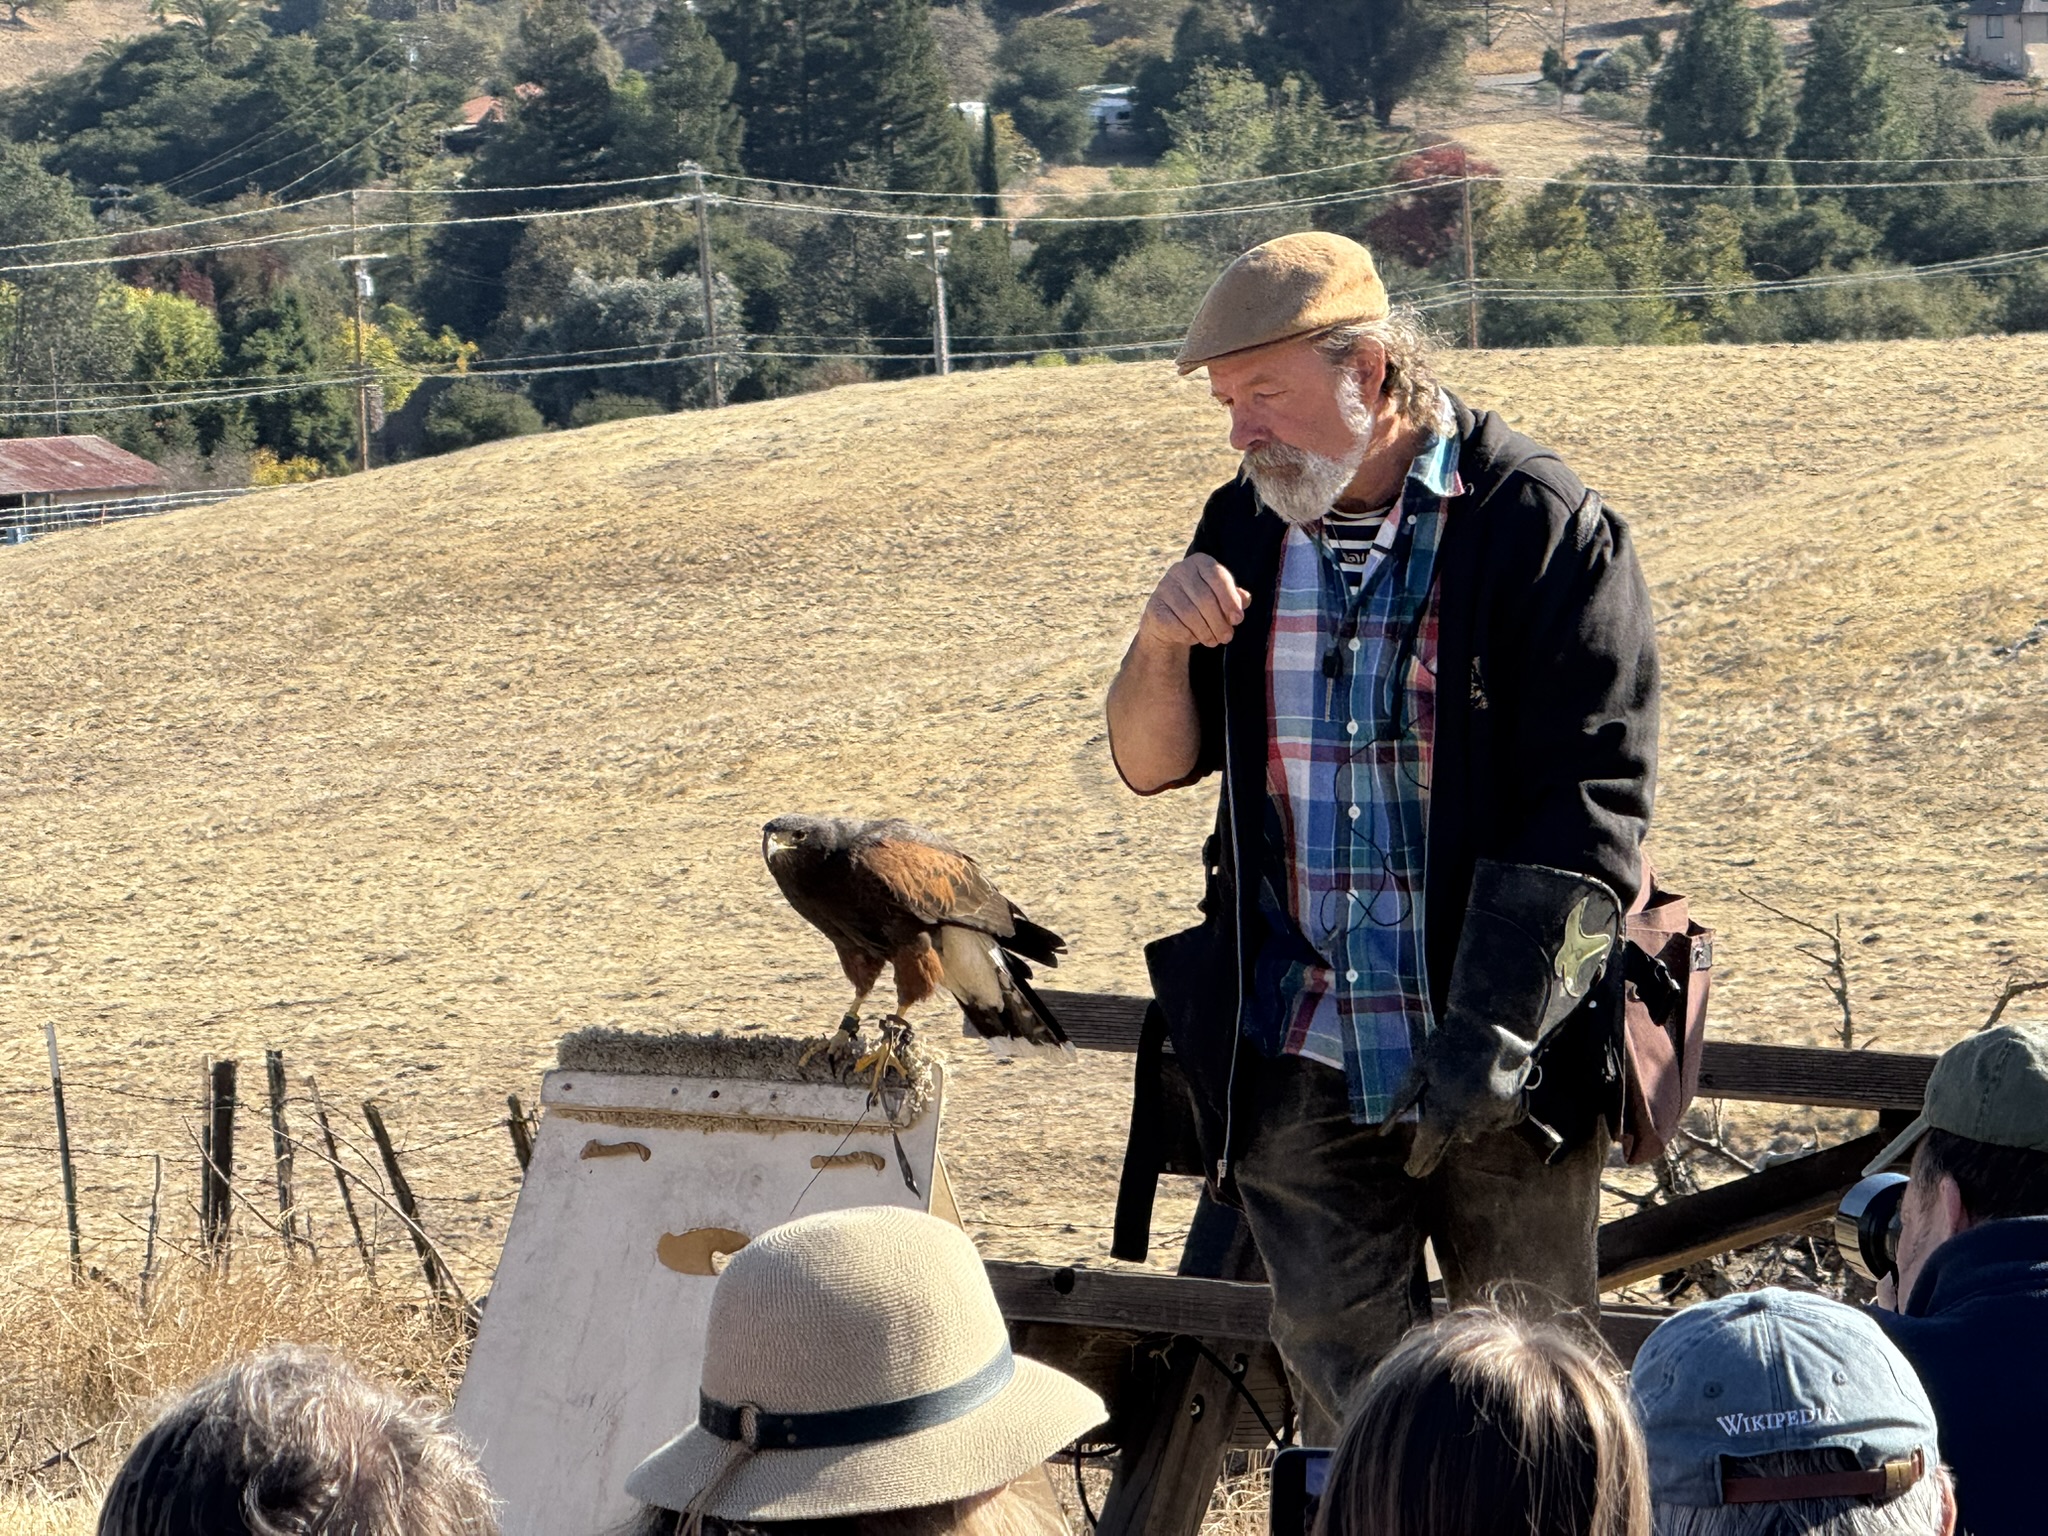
(1976, 1329)
(1545, 746)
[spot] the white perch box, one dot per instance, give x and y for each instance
(593, 1339)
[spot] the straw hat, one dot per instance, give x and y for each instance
(856, 1361)
(1298, 285)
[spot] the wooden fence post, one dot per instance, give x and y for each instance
(401, 1193)
(219, 1207)
(348, 1202)
(1167, 1472)
(522, 1138)
(156, 1190)
(64, 1150)
(281, 1150)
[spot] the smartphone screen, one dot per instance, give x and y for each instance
(1299, 1473)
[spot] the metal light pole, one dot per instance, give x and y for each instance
(695, 172)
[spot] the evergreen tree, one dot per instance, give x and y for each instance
(563, 120)
(988, 170)
(1046, 63)
(1209, 32)
(843, 91)
(1369, 53)
(688, 111)
(282, 338)
(1723, 92)
(562, 115)
(1852, 104)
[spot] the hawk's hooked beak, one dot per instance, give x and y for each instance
(771, 845)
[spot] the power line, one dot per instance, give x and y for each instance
(1429, 299)
(835, 210)
(340, 89)
(1026, 222)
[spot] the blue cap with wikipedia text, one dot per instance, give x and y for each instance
(1763, 1372)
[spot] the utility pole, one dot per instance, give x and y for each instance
(358, 262)
(930, 246)
(695, 172)
(1471, 277)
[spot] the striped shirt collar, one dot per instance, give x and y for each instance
(1434, 467)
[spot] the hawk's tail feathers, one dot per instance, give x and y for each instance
(1034, 941)
(1021, 1024)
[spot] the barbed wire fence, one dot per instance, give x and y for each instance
(254, 1158)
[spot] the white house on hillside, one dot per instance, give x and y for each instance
(2010, 36)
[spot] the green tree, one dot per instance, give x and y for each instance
(1046, 62)
(1208, 32)
(1621, 262)
(991, 309)
(689, 97)
(562, 126)
(848, 91)
(62, 330)
(1147, 296)
(1063, 254)
(1371, 54)
(226, 28)
(561, 129)
(1230, 126)
(1852, 108)
(658, 319)
(472, 411)
(1947, 219)
(175, 340)
(1722, 92)
(284, 338)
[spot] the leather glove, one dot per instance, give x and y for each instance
(1535, 941)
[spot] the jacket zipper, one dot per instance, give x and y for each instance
(1236, 928)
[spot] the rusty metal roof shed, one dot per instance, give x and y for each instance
(39, 466)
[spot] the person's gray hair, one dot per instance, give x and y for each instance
(294, 1442)
(1411, 384)
(1919, 1511)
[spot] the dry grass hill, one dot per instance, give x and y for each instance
(408, 774)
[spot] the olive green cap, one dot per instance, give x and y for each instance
(1992, 1087)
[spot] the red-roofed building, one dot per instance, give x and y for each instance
(38, 475)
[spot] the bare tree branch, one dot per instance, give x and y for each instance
(1834, 962)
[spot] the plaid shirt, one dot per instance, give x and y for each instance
(1351, 691)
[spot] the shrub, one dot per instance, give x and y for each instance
(475, 411)
(606, 406)
(266, 468)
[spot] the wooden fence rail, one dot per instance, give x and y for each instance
(1176, 1401)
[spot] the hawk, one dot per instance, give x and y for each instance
(889, 893)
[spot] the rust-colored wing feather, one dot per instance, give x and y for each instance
(933, 879)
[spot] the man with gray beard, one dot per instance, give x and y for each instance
(1419, 653)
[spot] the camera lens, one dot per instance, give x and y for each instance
(1867, 1225)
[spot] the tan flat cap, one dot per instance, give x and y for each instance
(1294, 286)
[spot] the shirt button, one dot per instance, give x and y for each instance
(1351, 975)
(1353, 813)
(1354, 645)
(1351, 728)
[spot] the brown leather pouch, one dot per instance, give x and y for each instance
(1668, 967)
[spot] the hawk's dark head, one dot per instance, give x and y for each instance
(791, 843)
